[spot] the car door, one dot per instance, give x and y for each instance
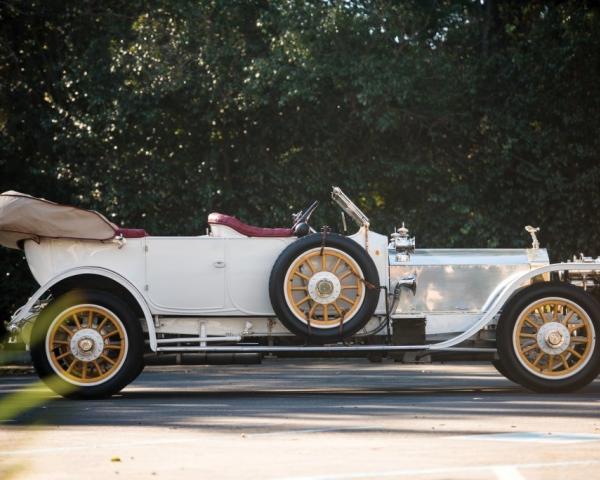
(186, 274)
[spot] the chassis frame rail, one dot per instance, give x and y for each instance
(321, 349)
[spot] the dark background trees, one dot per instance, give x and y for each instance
(466, 119)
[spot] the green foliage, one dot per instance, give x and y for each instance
(467, 120)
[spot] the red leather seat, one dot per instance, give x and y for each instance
(131, 232)
(248, 230)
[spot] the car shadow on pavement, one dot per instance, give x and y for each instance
(287, 394)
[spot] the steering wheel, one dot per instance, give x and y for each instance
(303, 216)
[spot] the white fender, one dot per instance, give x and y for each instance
(25, 310)
(499, 297)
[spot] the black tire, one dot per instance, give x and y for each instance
(580, 374)
(129, 365)
(363, 311)
(139, 371)
(502, 370)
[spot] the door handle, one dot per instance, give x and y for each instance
(219, 264)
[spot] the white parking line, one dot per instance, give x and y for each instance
(412, 472)
(535, 437)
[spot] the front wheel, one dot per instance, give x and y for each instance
(87, 344)
(546, 338)
(501, 370)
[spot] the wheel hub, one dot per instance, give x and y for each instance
(553, 338)
(324, 287)
(87, 344)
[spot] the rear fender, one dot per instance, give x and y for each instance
(100, 276)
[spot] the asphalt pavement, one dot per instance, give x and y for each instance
(303, 419)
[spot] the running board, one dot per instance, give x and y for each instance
(323, 349)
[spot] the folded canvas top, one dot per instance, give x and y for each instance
(24, 217)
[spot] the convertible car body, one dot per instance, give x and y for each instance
(107, 295)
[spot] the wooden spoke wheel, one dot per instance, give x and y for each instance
(324, 287)
(546, 337)
(86, 344)
(554, 338)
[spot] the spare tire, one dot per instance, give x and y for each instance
(324, 289)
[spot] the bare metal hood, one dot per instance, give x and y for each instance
(23, 217)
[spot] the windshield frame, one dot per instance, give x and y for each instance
(349, 207)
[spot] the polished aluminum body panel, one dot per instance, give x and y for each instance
(457, 281)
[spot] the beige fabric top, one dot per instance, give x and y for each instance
(25, 217)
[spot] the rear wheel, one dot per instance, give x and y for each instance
(547, 338)
(87, 344)
(324, 290)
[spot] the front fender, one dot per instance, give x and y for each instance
(504, 292)
(28, 311)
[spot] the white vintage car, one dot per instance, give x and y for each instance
(110, 295)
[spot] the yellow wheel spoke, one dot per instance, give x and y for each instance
(300, 288)
(344, 275)
(579, 340)
(71, 366)
(90, 319)
(77, 322)
(108, 359)
(575, 326)
(301, 275)
(538, 358)
(112, 347)
(337, 264)
(305, 299)
(312, 310)
(337, 309)
(63, 355)
(529, 348)
(110, 334)
(542, 315)
(98, 369)
(99, 327)
(325, 313)
(346, 299)
(564, 361)
(349, 287)
(69, 332)
(531, 322)
(573, 352)
(568, 317)
(550, 361)
(310, 265)
(323, 262)
(527, 335)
